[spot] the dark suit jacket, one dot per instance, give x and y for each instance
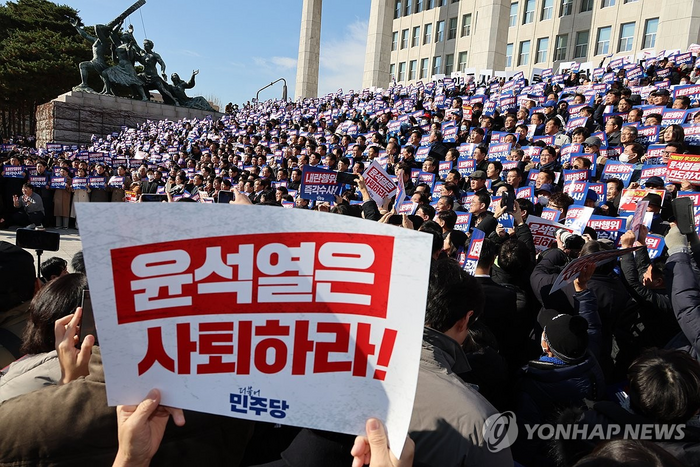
(500, 307)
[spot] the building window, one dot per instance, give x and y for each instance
(542, 48)
(427, 33)
(586, 5)
(440, 31)
(462, 61)
(607, 3)
(409, 8)
(402, 72)
(404, 38)
(529, 16)
(423, 68)
(412, 70)
(524, 55)
(631, 1)
(509, 55)
(419, 6)
(650, 33)
(430, 4)
(466, 25)
(602, 46)
(567, 7)
(392, 71)
(560, 46)
(442, 2)
(397, 9)
(394, 40)
(415, 40)
(449, 64)
(437, 65)
(452, 32)
(626, 38)
(581, 49)
(547, 10)
(513, 14)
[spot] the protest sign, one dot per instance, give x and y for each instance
(116, 182)
(400, 192)
(79, 183)
(13, 171)
(319, 184)
(463, 222)
(577, 191)
(550, 214)
(39, 181)
(655, 245)
(287, 318)
(58, 183)
(631, 197)
(474, 251)
(577, 218)
(543, 231)
(619, 170)
(379, 183)
(574, 268)
(638, 217)
(683, 167)
(650, 170)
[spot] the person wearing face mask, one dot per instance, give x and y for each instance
(633, 155)
(149, 184)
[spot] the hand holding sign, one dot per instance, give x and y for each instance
(373, 449)
(141, 429)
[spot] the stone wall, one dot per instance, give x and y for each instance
(73, 117)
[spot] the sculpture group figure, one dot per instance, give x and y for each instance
(126, 53)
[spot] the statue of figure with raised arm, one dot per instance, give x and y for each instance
(100, 45)
(178, 90)
(151, 80)
(124, 73)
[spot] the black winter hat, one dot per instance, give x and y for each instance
(567, 337)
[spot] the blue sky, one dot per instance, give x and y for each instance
(240, 46)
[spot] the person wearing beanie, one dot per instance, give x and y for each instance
(565, 374)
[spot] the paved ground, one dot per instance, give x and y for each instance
(70, 243)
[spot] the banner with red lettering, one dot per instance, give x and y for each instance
(280, 319)
(379, 184)
(543, 232)
(682, 167)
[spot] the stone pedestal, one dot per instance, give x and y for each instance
(309, 50)
(73, 117)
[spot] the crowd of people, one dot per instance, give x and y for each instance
(618, 346)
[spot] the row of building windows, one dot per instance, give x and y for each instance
(408, 7)
(602, 45)
(427, 37)
(566, 8)
(425, 71)
(561, 43)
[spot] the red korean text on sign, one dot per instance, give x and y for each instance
(296, 272)
(270, 348)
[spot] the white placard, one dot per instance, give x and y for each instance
(275, 315)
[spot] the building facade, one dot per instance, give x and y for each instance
(439, 37)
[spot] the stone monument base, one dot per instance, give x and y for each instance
(73, 117)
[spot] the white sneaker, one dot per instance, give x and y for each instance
(31, 226)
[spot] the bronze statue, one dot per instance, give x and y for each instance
(151, 80)
(124, 73)
(100, 45)
(125, 52)
(178, 90)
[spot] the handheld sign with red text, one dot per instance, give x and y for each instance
(379, 183)
(474, 251)
(319, 184)
(285, 319)
(682, 167)
(543, 232)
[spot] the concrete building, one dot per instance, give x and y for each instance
(433, 37)
(416, 39)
